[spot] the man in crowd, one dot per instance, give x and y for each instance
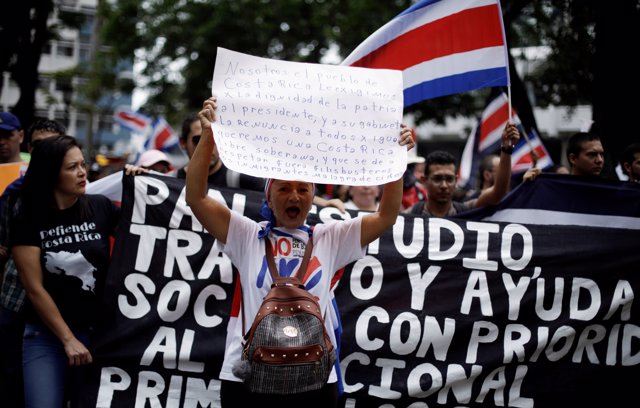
(155, 160)
(441, 176)
(219, 175)
(11, 135)
(486, 174)
(631, 162)
(585, 154)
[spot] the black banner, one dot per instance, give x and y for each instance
(440, 313)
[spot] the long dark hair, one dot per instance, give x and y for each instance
(42, 175)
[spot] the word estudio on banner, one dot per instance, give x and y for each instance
(439, 313)
(321, 123)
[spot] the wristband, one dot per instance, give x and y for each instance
(506, 149)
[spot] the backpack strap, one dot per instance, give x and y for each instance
(268, 250)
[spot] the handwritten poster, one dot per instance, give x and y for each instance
(313, 122)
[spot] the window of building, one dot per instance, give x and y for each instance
(65, 49)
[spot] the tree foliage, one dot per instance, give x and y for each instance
(23, 33)
(177, 40)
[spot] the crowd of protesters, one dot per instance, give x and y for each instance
(54, 315)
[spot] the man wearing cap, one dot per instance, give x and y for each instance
(155, 160)
(11, 135)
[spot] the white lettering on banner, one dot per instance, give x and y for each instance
(357, 289)
(477, 288)
(151, 192)
(405, 335)
(143, 198)
(180, 245)
(152, 390)
(420, 282)
(481, 261)
(386, 376)
(140, 285)
(469, 269)
(165, 343)
(453, 385)
(417, 237)
(148, 236)
(321, 123)
(436, 225)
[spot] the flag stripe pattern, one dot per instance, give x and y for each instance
(163, 137)
(132, 120)
(521, 159)
(488, 133)
(493, 121)
(442, 47)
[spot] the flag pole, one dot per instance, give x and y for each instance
(509, 97)
(532, 152)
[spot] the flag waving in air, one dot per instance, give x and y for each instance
(134, 121)
(485, 139)
(163, 137)
(442, 47)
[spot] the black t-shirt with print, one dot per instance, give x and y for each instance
(74, 258)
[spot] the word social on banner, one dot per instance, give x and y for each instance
(320, 123)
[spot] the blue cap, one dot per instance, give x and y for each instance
(9, 121)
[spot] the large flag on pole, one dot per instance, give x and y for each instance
(442, 47)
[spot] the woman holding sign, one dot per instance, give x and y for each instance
(287, 204)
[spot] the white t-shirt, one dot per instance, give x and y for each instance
(335, 245)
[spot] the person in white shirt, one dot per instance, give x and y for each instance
(286, 207)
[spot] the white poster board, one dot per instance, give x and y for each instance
(313, 122)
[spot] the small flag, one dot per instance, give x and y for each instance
(486, 138)
(134, 121)
(522, 158)
(442, 47)
(163, 137)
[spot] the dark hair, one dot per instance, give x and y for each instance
(44, 125)
(186, 125)
(576, 141)
(438, 157)
(42, 175)
(628, 155)
(486, 164)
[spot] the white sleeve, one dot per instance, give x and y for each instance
(343, 240)
(242, 233)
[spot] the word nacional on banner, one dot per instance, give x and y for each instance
(322, 123)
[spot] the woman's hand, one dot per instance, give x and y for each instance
(130, 169)
(77, 353)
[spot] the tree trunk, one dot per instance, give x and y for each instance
(616, 80)
(33, 36)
